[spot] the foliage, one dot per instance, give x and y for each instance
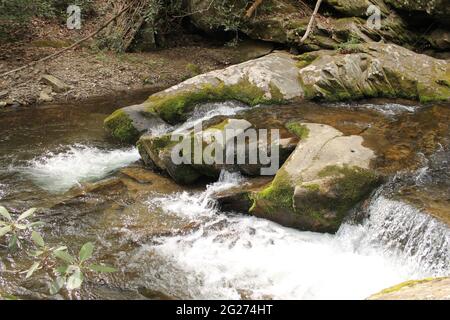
(15, 230)
(70, 271)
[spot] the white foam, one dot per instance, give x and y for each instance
(231, 257)
(208, 111)
(58, 172)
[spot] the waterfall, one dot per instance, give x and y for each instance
(234, 256)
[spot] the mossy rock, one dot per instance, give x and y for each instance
(128, 124)
(323, 179)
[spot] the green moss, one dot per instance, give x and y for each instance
(193, 69)
(174, 108)
(275, 92)
(298, 129)
(47, 43)
(402, 285)
(120, 126)
(350, 184)
(162, 142)
(306, 59)
(318, 210)
(312, 187)
(277, 195)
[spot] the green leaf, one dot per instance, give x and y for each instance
(102, 268)
(62, 270)
(20, 226)
(60, 249)
(75, 280)
(86, 251)
(26, 214)
(35, 224)
(33, 268)
(4, 213)
(64, 256)
(12, 242)
(36, 253)
(37, 239)
(56, 285)
(5, 230)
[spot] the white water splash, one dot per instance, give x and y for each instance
(387, 109)
(231, 257)
(58, 172)
(208, 111)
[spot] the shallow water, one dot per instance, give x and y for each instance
(171, 242)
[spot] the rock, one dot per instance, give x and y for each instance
(3, 104)
(326, 176)
(440, 39)
(129, 123)
(57, 84)
(353, 72)
(4, 94)
(375, 70)
(436, 9)
(44, 96)
(355, 8)
(251, 49)
(285, 21)
(427, 289)
(237, 199)
(156, 151)
(269, 79)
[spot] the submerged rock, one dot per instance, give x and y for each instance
(427, 289)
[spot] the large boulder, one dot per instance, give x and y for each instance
(158, 151)
(375, 70)
(285, 21)
(353, 72)
(269, 79)
(326, 176)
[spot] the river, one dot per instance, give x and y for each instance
(170, 241)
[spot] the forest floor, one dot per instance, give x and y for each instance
(88, 71)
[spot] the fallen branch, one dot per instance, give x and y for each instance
(68, 48)
(311, 21)
(253, 8)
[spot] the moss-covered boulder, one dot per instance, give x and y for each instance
(354, 71)
(201, 158)
(425, 289)
(374, 70)
(326, 176)
(269, 79)
(285, 21)
(128, 124)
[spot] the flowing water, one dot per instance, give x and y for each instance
(170, 241)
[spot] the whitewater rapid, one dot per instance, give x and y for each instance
(233, 256)
(58, 171)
